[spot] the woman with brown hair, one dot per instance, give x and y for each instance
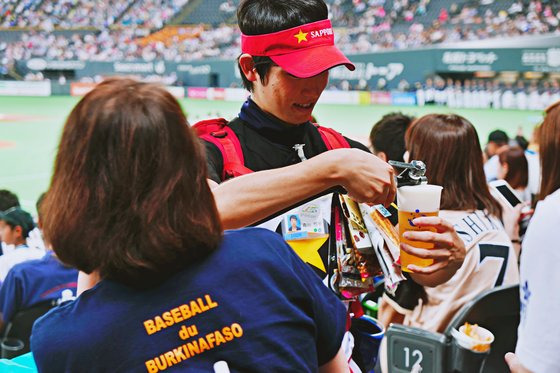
(449, 146)
(539, 334)
(129, 200)
(514, 168)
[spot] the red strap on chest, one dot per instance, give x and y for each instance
(332, 138)
(217, 132)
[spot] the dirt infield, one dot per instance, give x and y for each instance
(19, 118)
(7, 144)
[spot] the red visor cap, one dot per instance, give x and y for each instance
(303, 51)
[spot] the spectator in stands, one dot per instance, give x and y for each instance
(162, 254)
(35, 281)
(387, 136)
(7, 200)
(17, 224)
(538, 335)
(498, 141)
(514, 169)
(449, 146)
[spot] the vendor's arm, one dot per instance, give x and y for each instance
(247, 199)
(448, 253)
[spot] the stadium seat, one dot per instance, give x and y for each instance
(21, 324)
(496, 310)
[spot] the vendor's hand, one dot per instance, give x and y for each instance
(366, 177)
(514, 364)
(448, 253)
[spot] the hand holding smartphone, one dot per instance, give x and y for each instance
(501, 190)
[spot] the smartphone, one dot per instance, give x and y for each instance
(500, 189)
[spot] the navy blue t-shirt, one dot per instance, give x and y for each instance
(35, 281)
(252, 304)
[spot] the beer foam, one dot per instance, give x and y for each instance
(425, 198)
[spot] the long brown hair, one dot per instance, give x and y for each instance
(129, 195)
(549, 151)
(449, 146)
(518, 168)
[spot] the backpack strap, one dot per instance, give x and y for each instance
(217, 132)
(332, 138)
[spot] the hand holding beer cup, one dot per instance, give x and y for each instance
(428, 243)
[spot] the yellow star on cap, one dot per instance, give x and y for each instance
(301, 36)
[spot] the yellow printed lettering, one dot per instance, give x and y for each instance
(211, 304)
(192, 330)
(194, 308)
(203, 307)
(179, 355)
(203, 345)
(227, 333)
(219, 338)
(210, 339)
(176, 315)
(151, 366)
(193, 348)
(160, 362)
(168, 318)
(170, 359)
(159, 323)
(150, 327)
(236, 330)
(186, 351)
(185, 311)
(184, 333)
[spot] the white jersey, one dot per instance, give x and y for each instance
(539, 332)
(491, 168)
(554, 97)
(450, 93)
(490, 261)
(535, 101)
(508, 100)
(459, 101)
(18, 255)
(467, 98)
(521, 100)
(534, 171)
(497, 99)
(476, 98)
(420, 97)
(545, 99)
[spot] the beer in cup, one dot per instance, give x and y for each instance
(415, 201)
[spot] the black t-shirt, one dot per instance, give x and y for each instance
(269, 143)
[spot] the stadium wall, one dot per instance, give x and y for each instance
(410, 65)
(47, 88)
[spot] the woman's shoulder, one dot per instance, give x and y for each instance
(251, 234)
(253, 241)
(53, 324)
(551, 204)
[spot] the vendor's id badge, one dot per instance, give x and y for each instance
(307, 221)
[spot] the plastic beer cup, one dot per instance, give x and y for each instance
(415, 201)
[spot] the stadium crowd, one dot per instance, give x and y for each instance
(487, 94)
(365, 26)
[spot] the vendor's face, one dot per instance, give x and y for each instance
(288, 98)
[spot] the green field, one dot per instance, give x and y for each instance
(30, 129)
